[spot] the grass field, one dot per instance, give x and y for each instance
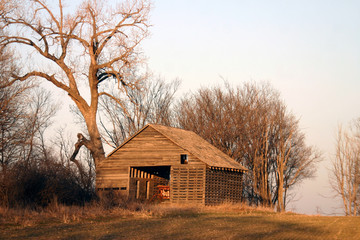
(173, 222)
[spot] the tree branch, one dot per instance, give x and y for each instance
(116, 100)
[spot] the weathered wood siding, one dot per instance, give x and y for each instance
(222, 186)
(148, 148)
(150, 159)
(116, 178)
(188, 184)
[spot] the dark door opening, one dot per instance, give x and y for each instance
(150, 183)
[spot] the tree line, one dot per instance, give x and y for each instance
(97, 48)
(345, 171)
(31, 172)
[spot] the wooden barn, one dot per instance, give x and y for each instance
(171, 163)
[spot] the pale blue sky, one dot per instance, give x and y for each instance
(308, 50)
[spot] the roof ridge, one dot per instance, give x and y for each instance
(200, 157)
(170, 127)
(193, 143)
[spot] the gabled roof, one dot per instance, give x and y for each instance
(194, 144)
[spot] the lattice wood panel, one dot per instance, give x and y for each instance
(222, 186)
(187, 184)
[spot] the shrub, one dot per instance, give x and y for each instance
(36, 185)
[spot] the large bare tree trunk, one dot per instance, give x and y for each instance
(89, 45)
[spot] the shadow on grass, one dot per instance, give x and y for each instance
(206, 226)
(237, 227)
(188, 225)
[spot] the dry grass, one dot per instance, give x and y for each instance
(141, 221)
(64, 214)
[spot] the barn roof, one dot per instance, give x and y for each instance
(194, 144)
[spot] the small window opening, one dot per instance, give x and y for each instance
(123, 188)
(184, 159)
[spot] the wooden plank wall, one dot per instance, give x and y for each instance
(222, 186)
(188, 184)
(148, 148)
(113, 178)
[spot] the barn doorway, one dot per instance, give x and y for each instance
(150, 183)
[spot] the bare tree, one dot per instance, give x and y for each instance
(94, 43)
(13, 113)
(293, 160)
(346, 168)
(237, 122)
(251, 124)
(24, 117)
(150, 103)
(39, 112)
(23, 123)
